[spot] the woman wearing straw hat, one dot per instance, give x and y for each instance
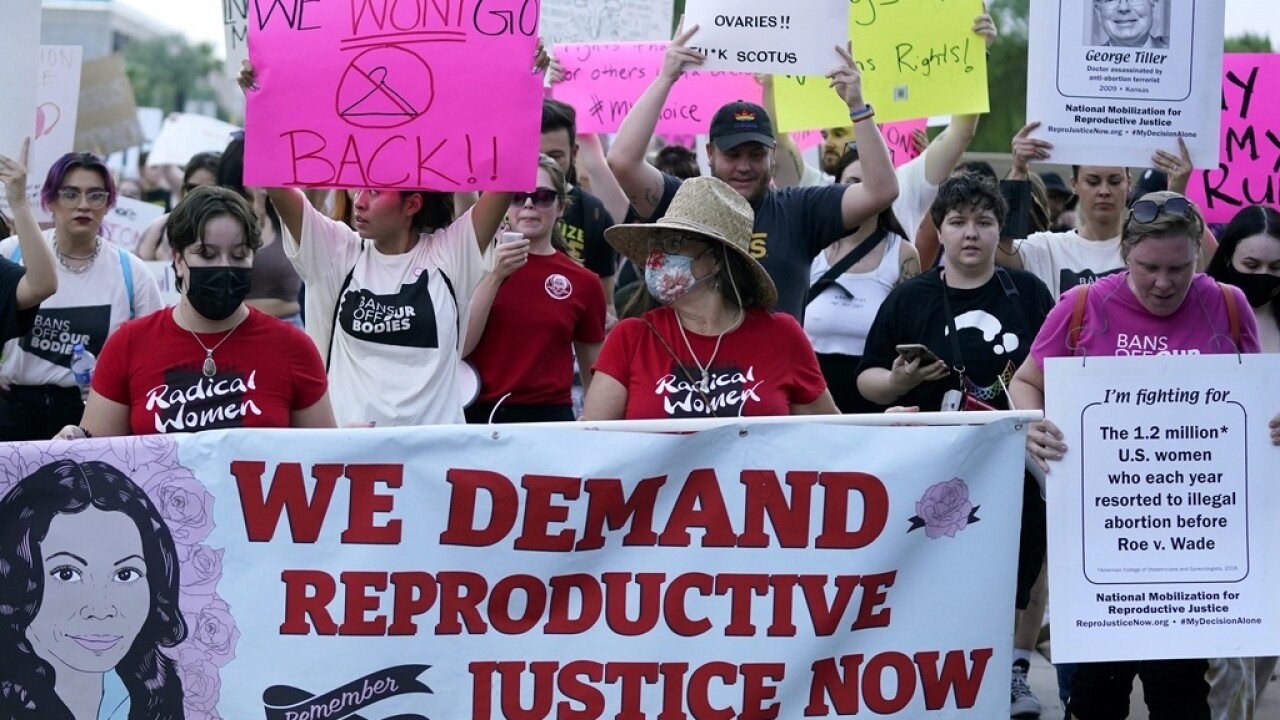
(710, 347)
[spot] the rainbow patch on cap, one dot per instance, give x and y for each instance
(744, 116)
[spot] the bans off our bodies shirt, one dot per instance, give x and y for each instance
(391, 333)
(267, 369)
(763, 367)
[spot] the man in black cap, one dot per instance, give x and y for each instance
(792, 225)
(1059, 198)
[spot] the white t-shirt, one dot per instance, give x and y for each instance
(1063, 260)
(87, 307)
(915, 193)
(838, 320)
(392, 349)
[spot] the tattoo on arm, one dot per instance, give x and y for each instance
(907, 270)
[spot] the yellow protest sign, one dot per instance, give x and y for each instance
(918, 58)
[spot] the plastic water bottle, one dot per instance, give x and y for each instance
(82, 364)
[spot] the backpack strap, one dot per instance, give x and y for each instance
(17, 255)
(1233, 313)
(1077, 318)
(126, 267)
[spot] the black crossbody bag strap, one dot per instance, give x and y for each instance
(843, 264)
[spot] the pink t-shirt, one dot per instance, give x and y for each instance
(1116, 323)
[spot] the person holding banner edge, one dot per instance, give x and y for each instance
(22, 291)
(792, 225)
(1158, 294)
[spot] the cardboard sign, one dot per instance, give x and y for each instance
(603, 80)
(235, 23)
(125, 223)
(1101, 103)
(593, 21)
(1249, 149)
(108, 118)
(365, 93)
(780, 571)
(764, 36)
(917, 58)
(20, 37)
(1160, 511)
(184, 135)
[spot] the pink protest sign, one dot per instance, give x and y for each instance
(603, 80)
(897, 135)
(429, 94)
(1249, 150)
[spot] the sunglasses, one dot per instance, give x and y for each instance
(1144, 211)
(542, 198)
(96, 199)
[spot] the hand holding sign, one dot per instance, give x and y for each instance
(14, 175)
(1176, 167)
(1026, 149)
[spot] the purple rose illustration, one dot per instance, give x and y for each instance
(214, 631)
(200, 683)
(944, 509)
(201, 569)
(184, 504)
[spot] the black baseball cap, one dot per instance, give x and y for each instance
(1054, 185)
(741, 122)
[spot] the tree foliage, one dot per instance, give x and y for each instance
(1248, 43)
(167, 72)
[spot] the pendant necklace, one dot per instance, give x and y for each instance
(209, 368)
(705, 369)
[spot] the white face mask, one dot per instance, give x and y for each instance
(669, 276)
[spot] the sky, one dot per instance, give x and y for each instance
(201, 20)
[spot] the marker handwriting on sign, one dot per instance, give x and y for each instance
(1249, 162)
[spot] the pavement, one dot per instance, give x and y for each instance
(1044, 683)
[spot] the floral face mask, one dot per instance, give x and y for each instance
(669, 276)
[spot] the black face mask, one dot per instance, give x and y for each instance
(1258, 288)
(217, 292)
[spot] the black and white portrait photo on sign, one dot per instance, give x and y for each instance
(1127, 23)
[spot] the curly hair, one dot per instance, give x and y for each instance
(69, 487)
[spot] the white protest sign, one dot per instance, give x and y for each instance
(166, 281)
(565, 21)
(1161, 512)
(235, 23)
(764, 36)
(184, 135)
(58, 101)
(20, 38)
(1101, 101)
(151, 119)
(752, 571)
(125, 223)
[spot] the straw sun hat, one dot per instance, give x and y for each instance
(710, 210)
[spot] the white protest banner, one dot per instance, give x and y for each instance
(20, 37)
(753, 570)
(1117, 81)
(125, 223)
(1161, 513)
(763, 36)
(591, 21)
(184, 135)
(235, 23)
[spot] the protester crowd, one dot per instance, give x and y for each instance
(769, 287)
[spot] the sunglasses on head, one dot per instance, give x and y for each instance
(1144, 211)
(542, 198)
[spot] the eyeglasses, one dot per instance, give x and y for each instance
(542, 198)
(1144, 211)
(70, 197)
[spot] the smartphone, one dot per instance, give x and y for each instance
(512, 237)
(913, 351)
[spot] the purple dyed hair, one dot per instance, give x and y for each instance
(72, 161)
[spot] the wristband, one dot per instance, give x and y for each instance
(865, 113)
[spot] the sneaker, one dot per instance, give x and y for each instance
(1023, 702)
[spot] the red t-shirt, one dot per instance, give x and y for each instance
(267, 369)
(539, 312)
(762, 368)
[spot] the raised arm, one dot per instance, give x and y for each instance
(603, 184)
(41, 278)
(788, 163)
(640, 181)
(511, 256)
(879, 186)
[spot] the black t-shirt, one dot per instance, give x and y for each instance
(582, 228)
(792, 226)
(13, 323)
(994, 337)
